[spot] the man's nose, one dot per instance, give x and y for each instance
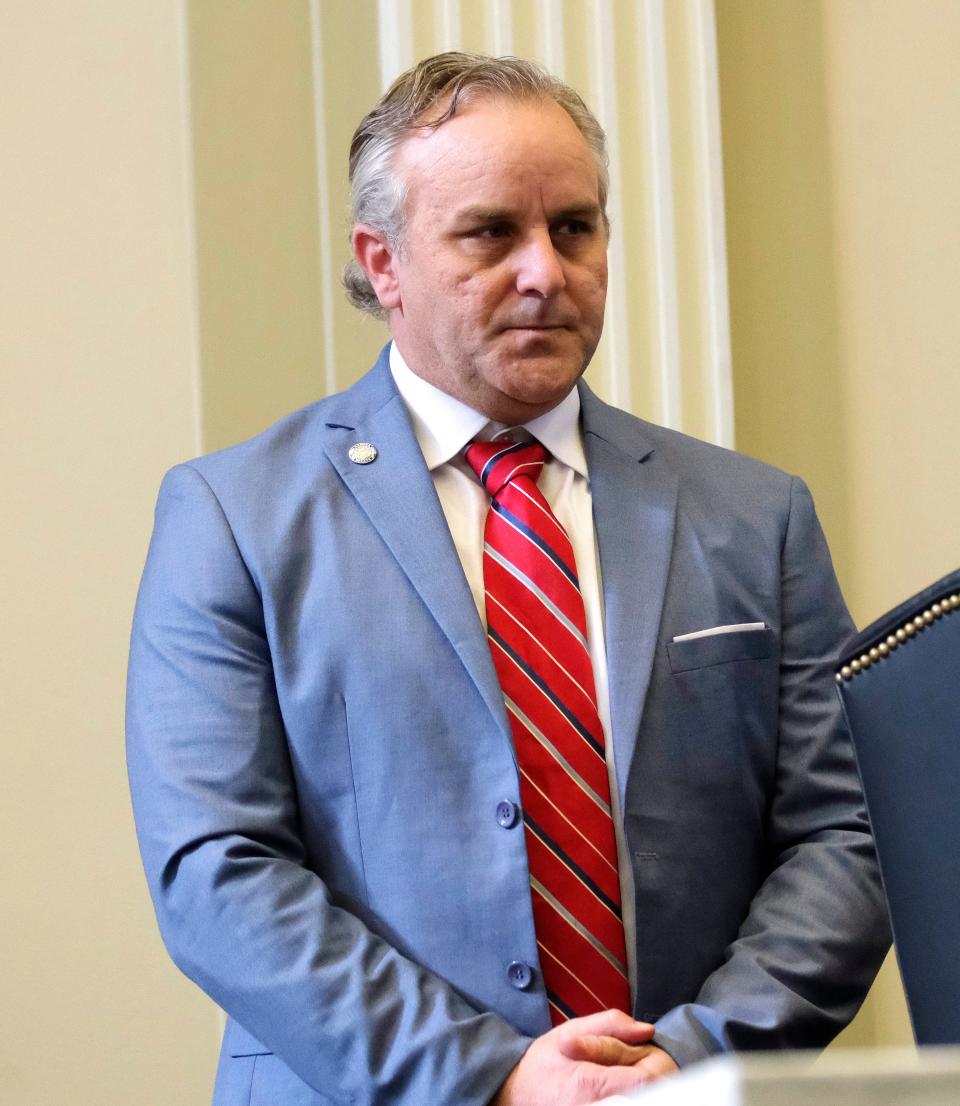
(539, 267)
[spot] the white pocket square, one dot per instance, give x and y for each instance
(713, 630)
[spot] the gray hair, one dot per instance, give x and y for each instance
(378, 194)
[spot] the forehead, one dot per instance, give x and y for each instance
(503, 147)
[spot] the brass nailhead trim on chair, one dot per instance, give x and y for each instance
(899, 636)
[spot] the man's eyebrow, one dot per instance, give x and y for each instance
(578, 211)
(482, 213)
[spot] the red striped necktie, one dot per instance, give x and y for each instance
(537, 632)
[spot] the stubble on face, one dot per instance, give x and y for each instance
(502, 272)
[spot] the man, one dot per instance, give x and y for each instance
(334, 770)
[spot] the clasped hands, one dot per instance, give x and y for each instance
(584, 1060)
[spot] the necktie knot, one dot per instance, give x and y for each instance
(498, 463)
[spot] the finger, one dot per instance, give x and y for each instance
(604, 1050)
(657, 1064)
(609, 1023)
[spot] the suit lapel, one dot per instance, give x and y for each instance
(397, 495)
(634, 508)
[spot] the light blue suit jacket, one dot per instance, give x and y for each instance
(317, 745)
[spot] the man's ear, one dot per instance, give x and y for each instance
(377, 258)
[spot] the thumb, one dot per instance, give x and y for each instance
(607, 1023)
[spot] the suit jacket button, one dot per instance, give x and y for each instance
(508, 814)
(520, 975)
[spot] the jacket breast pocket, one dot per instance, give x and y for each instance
(705, 652)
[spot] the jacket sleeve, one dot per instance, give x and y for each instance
(817, 929)
(217, 818)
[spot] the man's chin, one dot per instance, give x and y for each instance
(536, 378)
(524, 398)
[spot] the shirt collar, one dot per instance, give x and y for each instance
(444, 426)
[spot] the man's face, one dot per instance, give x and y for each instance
(501, 278)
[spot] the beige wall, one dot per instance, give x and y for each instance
(842, 174)
(265, 250)
(99, 397)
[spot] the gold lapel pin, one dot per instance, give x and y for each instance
(362, 453)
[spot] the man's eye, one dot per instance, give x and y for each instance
(494, 230)
(573, 227)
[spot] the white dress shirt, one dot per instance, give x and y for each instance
(444, 428)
